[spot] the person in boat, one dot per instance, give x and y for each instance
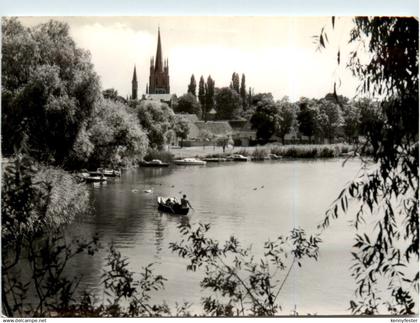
(185, 203)
(169, 202)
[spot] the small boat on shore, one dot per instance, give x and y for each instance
(154, 163)
(105, 172)
(237, 157)
(189, 162)
(274, 157)
(171, 205)
(88, 178)
(214, 159)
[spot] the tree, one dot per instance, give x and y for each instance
(287, 118)
(209, 96)
(228, 104)
(113, 137)
(386, 254)
(242, 92)
(110, 94)
(206, 136)
(187, 103)
(351, 121)
(202, 92)
(234, 85)
(36, 202)
(182, 129)
(192, 86)
(307, 118)
(329, 118)
(266, 118)
(49, 88)
(156, 118)
(240, 284)
(224, 141)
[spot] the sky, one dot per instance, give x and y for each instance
(276, 54)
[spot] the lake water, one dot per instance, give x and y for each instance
(254, 201)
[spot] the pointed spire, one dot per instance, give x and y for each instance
(134, 74)
(158, 61)
(134, 85)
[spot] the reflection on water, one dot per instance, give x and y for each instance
(253, 201)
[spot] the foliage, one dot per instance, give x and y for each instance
(241, 285)
(206, 135)
(111, 94)
(234, 85)
(209, 96)
(307, 117)
(287, 112)
(113, 137)
(329, 118)
(259, 154)
(228, 104)
(120, 285)
(156, 118)
(49, 89)
(187, 103)
(182, 129)
(202, 94)
(192, 86)
(312, 151)
(224, 141)
(266, 118)
(36, 202)
(351, 121)
(242, 92)
(387, 252)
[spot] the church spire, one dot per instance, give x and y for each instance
(158, 61)
(134, 85)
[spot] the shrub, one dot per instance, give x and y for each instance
(259, 154)
(164, 156)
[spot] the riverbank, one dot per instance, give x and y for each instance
(262, 152)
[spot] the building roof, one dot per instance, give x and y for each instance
(187, 116)
(218, 128)
(159, 97)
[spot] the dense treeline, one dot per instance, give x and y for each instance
(327, 119)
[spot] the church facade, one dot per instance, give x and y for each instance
(158, 77)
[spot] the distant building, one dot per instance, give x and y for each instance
(159, 73)
(194, 132)
(169, 99)
(239, 130)
(217, 128)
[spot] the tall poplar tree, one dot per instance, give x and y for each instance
(202, 95)
(192, 87)
(209, 96)
(243, 91)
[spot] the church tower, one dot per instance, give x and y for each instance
(159, 72)
(134, 85)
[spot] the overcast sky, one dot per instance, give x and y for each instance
(276, 54)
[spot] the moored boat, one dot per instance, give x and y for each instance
(105, 172)
(274, 157)
(237, 157)
(214, 159)
(153, 163)
(171, 205)
(189, 162)
(88, 178)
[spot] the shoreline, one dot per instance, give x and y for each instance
(262, 152)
